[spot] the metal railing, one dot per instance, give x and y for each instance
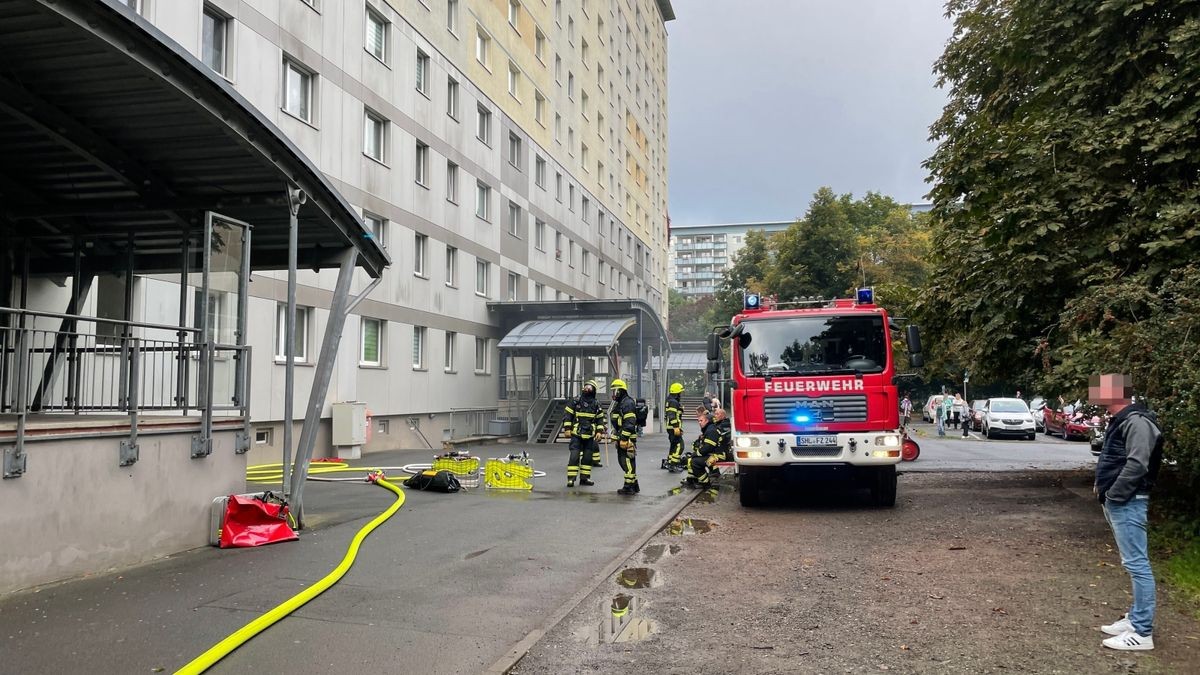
(502, 420)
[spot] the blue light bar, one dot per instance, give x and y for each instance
(802, 419)
(752, 301)
(866, 296)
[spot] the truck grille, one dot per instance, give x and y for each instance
(835, 408)
(815, 451)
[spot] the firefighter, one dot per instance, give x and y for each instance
(705, 446)
(674, 422)
(623, 420)
(583, 414)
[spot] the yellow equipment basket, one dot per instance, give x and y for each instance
(465, 469)
(508, 474)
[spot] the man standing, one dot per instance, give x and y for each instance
(1125, 473)
(623, 420)
(905, 411)
(581, 422)
(673, 417)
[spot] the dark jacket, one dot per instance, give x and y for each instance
(582, 416)
(709, 441)
(1131, 455)
(725, 431)
(674, 412)
(624, 419)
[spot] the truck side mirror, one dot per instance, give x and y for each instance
(914, 340)
(744, 340)
(714, 348)
(916, 360)
(714, 366)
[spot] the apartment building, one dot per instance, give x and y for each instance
(500, 150)
(700, 254)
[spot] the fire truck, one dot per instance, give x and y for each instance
(813, 393)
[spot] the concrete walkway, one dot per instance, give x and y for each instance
(449, 585)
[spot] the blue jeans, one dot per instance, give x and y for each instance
(941, 426)
(1128, 523)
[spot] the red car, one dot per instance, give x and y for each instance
(1073, 422)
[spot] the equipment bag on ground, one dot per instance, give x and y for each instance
(251, 520)
(434, 480)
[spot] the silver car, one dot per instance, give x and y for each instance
(1008, 417)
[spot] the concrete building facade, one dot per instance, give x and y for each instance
(700, 254)
(501, 150)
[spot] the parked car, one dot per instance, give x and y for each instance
(1036, 406)
(1008, 417)
(929, 412)
(977, 414)
(1076, 421)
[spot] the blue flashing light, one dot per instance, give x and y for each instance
(866, 296)
(802, 419)
(753, 301)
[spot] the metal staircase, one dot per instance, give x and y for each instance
(550, 430)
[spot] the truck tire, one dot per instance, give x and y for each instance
(883, 487)
(748, 488)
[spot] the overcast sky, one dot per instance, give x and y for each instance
(771, 99)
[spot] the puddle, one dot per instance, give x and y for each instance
(686, 526)
(638, 577)
(709, 496)
(656, 552)
(620, 605)
(624, 624)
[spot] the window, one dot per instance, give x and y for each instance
(481, 355)
(557, 68)
(301, 336)
(419, 241)
(297, 90)
(514, 80)
(514, 150)
(558, 246)
(600, 271)
(514, 219)
(570, 30)
(377, 35)
(583, 50)
(571, 85)
(418, 348)
(587, 209)
(422, 72)
(539, 291)
(514, 281)
(583, 103)
(587, 263)
(421, 164)
(570, 141)
(539, 45)
(600, 124)
(451, 267)
(558, 11)
(214, 39)
(557, 127)
(374, 136)
(514, 12)
(377, 227)
(452, 182)
(539, 171)
(558, 184)
(600, 76)
(262, 436)
(539, 108)
(448, 362)
(583, 156)
(483, 127)
(483, 195)
(571, 253)
(481, 277)
(452, 98)
(539, 234)
(370, 351)
(452, 16)
(571, 197)
(482, 43)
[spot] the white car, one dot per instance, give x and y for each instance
(1008, 417)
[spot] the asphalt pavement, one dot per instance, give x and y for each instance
(952, 452)
(448, 585)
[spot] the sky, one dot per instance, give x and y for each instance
(769, 100)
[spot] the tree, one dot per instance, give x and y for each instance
(812, 254)
(689, 316)
(747, 273)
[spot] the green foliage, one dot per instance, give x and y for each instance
(689, 316)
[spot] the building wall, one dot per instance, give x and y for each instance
(700, 254)
(622, 230)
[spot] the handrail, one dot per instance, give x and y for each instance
(97, 319)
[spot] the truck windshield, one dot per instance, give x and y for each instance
(815, 345)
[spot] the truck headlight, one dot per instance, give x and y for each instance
(889, 441)
(747, 442)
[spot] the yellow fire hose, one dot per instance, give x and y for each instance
(242, 635)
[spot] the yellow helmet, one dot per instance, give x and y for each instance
(618, 384)
(676, 388)
(592, 384)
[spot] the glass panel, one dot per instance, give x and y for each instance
(370, 341)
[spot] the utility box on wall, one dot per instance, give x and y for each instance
(350, 426)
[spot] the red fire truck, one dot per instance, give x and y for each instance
(813, 394)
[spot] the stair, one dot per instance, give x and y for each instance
(690, 403)
(551, 431)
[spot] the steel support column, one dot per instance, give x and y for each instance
(295, 198)
(14, 457)
(336, 322)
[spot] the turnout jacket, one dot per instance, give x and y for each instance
(582, 416)
(725, 431)
(709, 441)
(624, 419)
(673, 411)
(1131, 455)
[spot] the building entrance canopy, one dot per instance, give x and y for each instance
(570, 334)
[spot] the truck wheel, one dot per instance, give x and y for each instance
(883, 487)
(748, 488)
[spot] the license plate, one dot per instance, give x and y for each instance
(810, 440)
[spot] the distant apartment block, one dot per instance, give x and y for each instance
(700, 254)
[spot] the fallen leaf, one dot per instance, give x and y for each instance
(999, 610)
(903, 648)
(937, 597)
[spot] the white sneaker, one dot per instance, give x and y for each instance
(1130, 641)
(1119, 627)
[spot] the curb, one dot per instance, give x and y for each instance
(518, 652)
